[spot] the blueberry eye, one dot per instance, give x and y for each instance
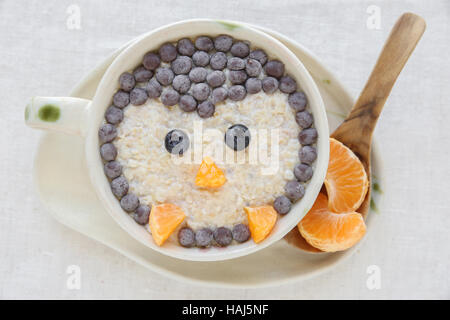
(237, 137)
(176, 142)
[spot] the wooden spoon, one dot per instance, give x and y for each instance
(357, 129)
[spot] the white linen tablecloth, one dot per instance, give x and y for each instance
(42, 54)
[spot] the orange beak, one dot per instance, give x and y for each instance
(209, 175)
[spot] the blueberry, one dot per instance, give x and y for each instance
(151, 61)
(303, 172)
(167, 52)
(204, 237)
(307, 154)
(237, 93)
(200, 91)
(294, 190)
(304, 119)
(182, 65)
(119, 186)
(287, 84)
(223, 236)
(186, 237)
(141, 74)
(198, 74)
(219, 95)
(130, 202)
(176, 142)
(108, 151)
(113, 169)
(169, 97)
(216, 78)
(121, 99)
(253, 85)
(141, 214)
(138, 96)
(235, 63)
(297, 101)
(269, 84)
(274, 68)
(127, 81)
(282, 205)
(237, 137)
(200, 58)
(187, 103)
(253, 67)
(240, 49)
(113, 115)
(153, 88)
(223, 43)
(185, 47)
(181, 83)
(307, 136)
(204, 43)
(206, 109)
(237, 77)
(241, 233)
(164, 75)
(259, 55)
(218, 61)
(107, 133)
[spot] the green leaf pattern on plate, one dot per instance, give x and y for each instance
(228, 25)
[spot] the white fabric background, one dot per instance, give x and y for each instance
(410, 244)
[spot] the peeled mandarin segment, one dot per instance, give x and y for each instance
(346, 180)
(261, 221)
(164, 219)
(329, 231)
(209, 175)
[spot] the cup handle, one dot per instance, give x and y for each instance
(60, 114)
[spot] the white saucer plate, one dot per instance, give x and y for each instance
(64, 188)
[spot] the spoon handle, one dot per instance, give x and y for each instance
(356, 131)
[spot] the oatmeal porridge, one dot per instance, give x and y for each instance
(209, 140)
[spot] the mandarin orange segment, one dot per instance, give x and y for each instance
(209, 175)
(164, 219)
(329, 231)
(346, 180)
(261, 221)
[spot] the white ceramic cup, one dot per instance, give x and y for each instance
(83, 117)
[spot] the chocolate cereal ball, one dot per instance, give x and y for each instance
(167, 52)
(107, 133)
(294, 190)
(307, 154)
(282, 205)
(130, 202)
(241, 233)
(170, 97)
(186, 237)
(223, 43)
(204, 43)
(185, 47)
(200, 58)
(206, 109)
(108, 151)
(187, 103)
(223, 236)
(142, 214)
(127, 81)
(240, 49)
(113, 115)
(153, 88)
(151, 61)
(204, 237)
(119, 186)
(274, 68)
